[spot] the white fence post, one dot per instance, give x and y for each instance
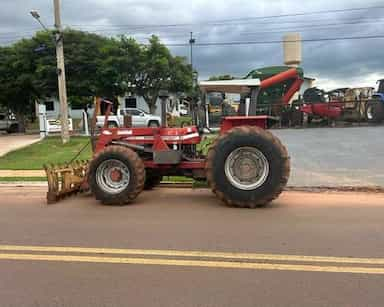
(85, 121)
(42, 121)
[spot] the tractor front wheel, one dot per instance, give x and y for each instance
(116, 175)
(247, 167)
(151, 179)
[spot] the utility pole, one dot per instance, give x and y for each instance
(191, 42)
(61, 74)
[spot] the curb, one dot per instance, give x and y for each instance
(184, 185)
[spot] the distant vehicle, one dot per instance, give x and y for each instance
(140, 118)
(183, 110)
(317, 105)
(344, 104)
(8, 123)
(375, 107)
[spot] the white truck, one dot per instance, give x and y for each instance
(140, 118)
(8, 123)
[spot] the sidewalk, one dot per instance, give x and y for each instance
(16, 141)
(22, 173)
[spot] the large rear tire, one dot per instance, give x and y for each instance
(247, 167)
(116, 175)
(13, 128)
(374, 111)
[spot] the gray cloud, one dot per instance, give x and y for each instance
(334, 63)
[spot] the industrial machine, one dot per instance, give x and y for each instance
(343, 104)
(273, 99)
(375, 107)
(316, 104)
(246, 166)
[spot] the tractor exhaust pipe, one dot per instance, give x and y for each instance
(163, 95)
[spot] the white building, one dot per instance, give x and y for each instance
(52, 105)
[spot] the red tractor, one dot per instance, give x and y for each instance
(246, 166)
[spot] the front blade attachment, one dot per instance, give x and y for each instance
(65, 179)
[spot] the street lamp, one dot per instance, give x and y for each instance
(60, 68)
(35, 14)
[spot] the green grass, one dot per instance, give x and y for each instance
(177, 179)
(180, 121)
(49, 150)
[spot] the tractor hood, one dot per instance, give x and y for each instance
(239, 86)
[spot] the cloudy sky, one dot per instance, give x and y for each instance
(333, 63)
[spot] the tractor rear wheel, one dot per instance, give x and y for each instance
(247, 167)
(116, 175)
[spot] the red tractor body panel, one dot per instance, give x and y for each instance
(234, 121)
(161, 139)
(158, 137)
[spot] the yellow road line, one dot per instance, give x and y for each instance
(200, 254)
(193, 263)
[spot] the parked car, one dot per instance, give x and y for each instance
(8, 123)
(140, 118)
(183, 110)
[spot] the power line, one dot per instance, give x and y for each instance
(311, 25)
(138, 26)
(309, 13)
(309, 28)
(273, 30)
(278, 41)
(169, 35)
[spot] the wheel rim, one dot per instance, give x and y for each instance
(112, 176)
(369, 112)
(246, 168)
(153, 125)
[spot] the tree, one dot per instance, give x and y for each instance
(83, 56)
(221, 77)
(118, 67)
(17, 92)
(95, 66)
(158, 70)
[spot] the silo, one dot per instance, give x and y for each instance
(292, 49)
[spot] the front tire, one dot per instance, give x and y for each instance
(13, 128)
(247, 167)
(152, 178)
(116, 175)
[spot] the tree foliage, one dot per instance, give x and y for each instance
(16, 79)
(158, 69)
(221, 77)
(95, 66)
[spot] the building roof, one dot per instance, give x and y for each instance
(229, 86)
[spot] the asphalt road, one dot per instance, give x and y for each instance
(51, 256)
(352, 156)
